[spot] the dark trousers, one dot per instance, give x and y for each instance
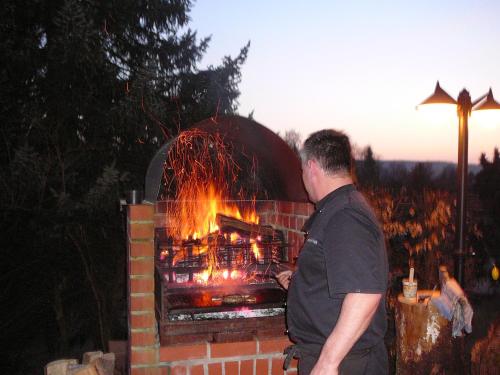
(371, 361)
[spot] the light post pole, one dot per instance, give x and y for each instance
(464, 108)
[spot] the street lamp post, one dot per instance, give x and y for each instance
(464, 108)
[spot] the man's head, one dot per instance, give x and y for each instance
(326, 162)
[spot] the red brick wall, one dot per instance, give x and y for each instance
(288, 217)
(143, 333)
(262, 356)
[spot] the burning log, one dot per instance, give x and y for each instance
(231, 224)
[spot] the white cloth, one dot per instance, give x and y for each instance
(454, 306)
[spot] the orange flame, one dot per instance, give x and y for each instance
(255, 250)
(205, 176)
(197, 216)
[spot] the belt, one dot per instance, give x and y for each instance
(298, 350)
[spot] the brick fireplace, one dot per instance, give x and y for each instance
(170, 333)
(256, 352)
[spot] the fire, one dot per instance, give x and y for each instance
(202, 277)
(255, 250)
(201, 170)
(197, 216)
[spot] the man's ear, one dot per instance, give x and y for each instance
(313, 165)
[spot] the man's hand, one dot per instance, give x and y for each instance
(284, 278)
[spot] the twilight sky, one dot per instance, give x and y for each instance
(362, 67)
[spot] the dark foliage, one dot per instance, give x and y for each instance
(414, 187)
(487, 185)
(368, 169)
(421, 177)
(89, 90)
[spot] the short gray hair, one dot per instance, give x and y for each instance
(332, 150)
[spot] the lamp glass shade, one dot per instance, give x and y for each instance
(485, 113)
(488, 103)
(439, 97)
(438, 114)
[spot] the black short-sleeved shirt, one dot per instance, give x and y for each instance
(344, 253)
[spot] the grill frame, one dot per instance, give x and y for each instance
(261, 283)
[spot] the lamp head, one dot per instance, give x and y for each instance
(439, 97)
(487, 103)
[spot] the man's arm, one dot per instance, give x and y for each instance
(355, 316)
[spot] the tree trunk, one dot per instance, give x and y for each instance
(424, 344)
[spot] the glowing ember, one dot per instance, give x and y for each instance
(202, 277)
(163, 254)
(233, 237)
(255, 250)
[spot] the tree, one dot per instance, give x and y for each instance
(417, 225)
(421, 177)
(90, 90)
(447, 179)
(293, 139)
(487, 182)
(487, 186)
(368, 169)
(394, 177)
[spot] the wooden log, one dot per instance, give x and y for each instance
(85, 370)
(106, 364)
(59, 367)
(119, 349)
(89, 357)
(424, 344)
(231, 224)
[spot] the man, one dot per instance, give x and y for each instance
(336, 297)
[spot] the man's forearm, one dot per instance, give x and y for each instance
(355, 316)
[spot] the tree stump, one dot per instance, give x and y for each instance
(424, 343)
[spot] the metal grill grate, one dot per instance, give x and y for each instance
(180, 261)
